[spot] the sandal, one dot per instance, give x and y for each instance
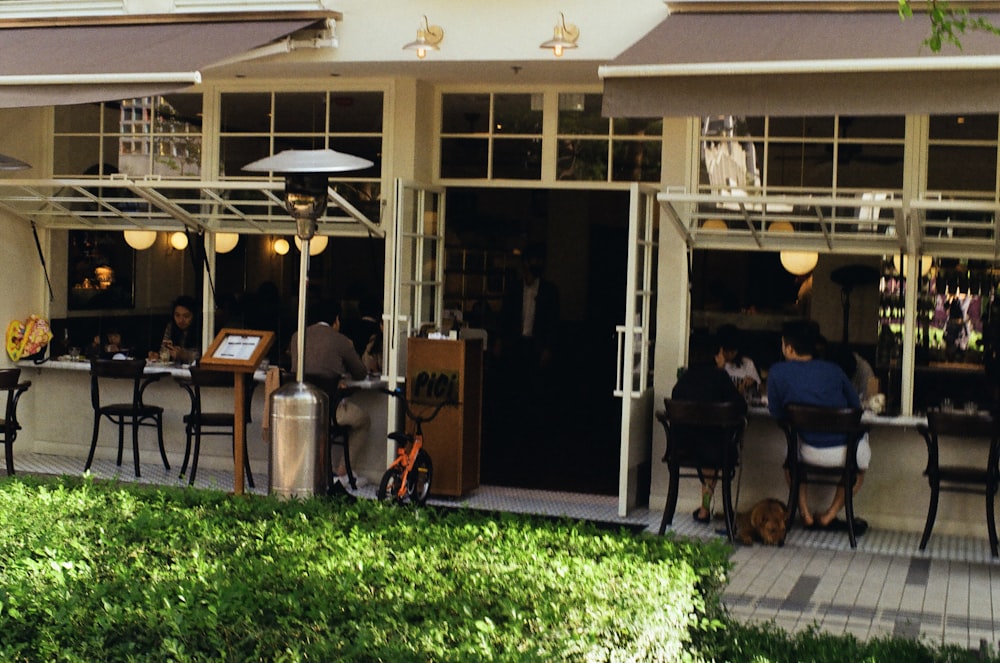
(700, 519)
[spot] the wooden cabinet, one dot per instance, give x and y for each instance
(477, 277)
(443, 369)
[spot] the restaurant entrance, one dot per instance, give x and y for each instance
(551, 421)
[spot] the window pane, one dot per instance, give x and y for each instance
(300, 112)
(176, 156)
(82, 118)
(515, 158)
(873, 127)
(234, 153)
(963, 127)
(299, 143)
(800, 165)
(464, 157)
(356, 112)
(954, 168)
(465, 114)
(73, 155)
(366, 148)
(583, 160)
(581, 114)
(870, 166)
(638, 126)
(513, 114)
(636, 161)
(801, 127)
(246, 112)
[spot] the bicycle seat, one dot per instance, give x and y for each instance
(401, 437)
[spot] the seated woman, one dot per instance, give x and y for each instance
(706, 381)
(181, 339)
(740, 368)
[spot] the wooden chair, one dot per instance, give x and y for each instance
(814, 419)
(957, 478)
(10, 383)
(702, 435)
(135, 412)
(198, 423)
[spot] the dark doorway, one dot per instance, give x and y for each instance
(555, 426)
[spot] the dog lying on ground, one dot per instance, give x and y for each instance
(765, 523)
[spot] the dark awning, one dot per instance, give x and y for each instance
(800, 63)
(45, 63)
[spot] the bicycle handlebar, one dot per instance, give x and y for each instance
(401, 395)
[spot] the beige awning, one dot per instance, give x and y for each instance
(55, 62)
(800, 63)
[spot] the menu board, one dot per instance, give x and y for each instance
(238, 350)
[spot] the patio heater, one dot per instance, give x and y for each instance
(298, 460)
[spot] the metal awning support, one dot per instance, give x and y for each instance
(850, 224)
(119, 203)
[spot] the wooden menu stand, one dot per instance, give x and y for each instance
(239, 351)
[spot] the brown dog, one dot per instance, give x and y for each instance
(765, 523)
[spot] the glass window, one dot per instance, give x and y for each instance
(465, 113)
(581, 159)
(517, 159)
(818, 154)
(515, 114)
(143, 136)
(300, 112)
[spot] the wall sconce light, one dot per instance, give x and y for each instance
(226, 242)
(179, 240)
(140, 240)
(428, 37)
(280, 246)
(563, 36)
(316, 246)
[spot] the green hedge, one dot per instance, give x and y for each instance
(101, 572)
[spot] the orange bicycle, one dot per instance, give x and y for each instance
(408, 478)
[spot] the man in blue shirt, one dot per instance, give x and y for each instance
(804, 380)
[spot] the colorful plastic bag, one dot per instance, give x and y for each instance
(28, 337)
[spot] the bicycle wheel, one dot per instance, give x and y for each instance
(388, 487)
(419, 481)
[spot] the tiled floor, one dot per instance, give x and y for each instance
(947, 594)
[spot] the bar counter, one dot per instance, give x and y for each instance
(895, 493)
(57, 418)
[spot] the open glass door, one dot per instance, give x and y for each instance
(417, 276)
(635, 347)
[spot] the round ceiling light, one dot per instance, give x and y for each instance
(140, 240)
(226, 242)
(316, 245)
(799, 262)
(280, 246)
(179, 240)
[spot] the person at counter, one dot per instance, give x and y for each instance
(181, 342)
(740, 368)
(705, 381)
(805, 380)
(331, 354)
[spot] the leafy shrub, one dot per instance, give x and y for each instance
(101, 572)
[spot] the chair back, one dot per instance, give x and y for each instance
(9, 377)
(700, 432)
(960, 424)
(818, 419)
(207, 378)
(115, 369)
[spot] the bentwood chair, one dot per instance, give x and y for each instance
(199, 423)
(958, 477)
(10, 383)
(339, 435)
(815, 419)
(700, 436)
(135, 413)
